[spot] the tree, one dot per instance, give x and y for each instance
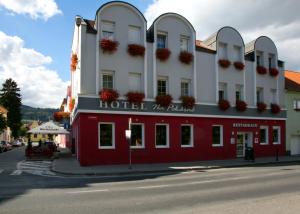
(2, 123)
(10, 98)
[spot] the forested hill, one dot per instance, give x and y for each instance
(41, 114)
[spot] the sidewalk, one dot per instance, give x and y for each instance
(67, 164)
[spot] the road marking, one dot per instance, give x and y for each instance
(89, 191)
(153, 187)
(16, 172)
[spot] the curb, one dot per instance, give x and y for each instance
(169, 171)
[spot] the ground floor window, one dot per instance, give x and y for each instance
(217, 135)
(137, 136)
(106, 135)
(162, 135)
(276, 134)
(186, 135)
(263, 133)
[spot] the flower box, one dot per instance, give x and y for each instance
(224, 63)
(241, 105)
(261, 106)
(136, 50)
(261, 70)
(74, 59)
(108, 45)
(58, 116)
(163, 100)
(71, 104)
(108, 95)
(186, 57)
(72, 67)
(273, 72)
(275, 109)
(135, 97)
(188, 101)
(224, 105)
(163, 54)
(239, 65)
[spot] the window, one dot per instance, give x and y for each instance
(134, 82)
(161, 40)
(134, 34)
(222, 51)
(217, 135)
(296, 104)
(222, 91)
(274, 95)
(137, 136)
(276, 134)
(259, 58)
(108, 80)
(186, 135)
(108, 29)
(35, 135)
(106, 136)
(185, 87)
(161, 135)
(259, 95)
(239, 92)
(184, 43)
(162, 86)
(237, 53)
(263, 133)
(270, 61)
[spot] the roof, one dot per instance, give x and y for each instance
(292, 80)
(200, 46)
(48, 128)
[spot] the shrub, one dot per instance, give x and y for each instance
(163, 54)
(224, 63)
(163, 100)
(241, 105)
(135, 97)
(186, 57)
(188, 101)
(136, 50)
(108, 45)
(108, 95)
(224, 105)
(58, 116)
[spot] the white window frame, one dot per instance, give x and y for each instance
(163, 34)
(223, 49)
(237, 53)
(279, 135)
(113, 146)
(187, 39)
(113, 29)
(239, 88)
(189, 86)
(261, 94)
(267, 135)
(143, 137)
(221, 136)
(161, 78)
(296, 104)
(168, 139)
(191, 137)
(112, 73)
(137, 29)
(260, 54)
(222, 87)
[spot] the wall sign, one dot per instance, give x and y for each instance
(244, 125)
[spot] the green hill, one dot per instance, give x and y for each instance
(41, 114)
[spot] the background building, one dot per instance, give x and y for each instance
(5, 135)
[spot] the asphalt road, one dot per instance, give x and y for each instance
(263, 189)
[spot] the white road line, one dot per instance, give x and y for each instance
(89, 191)
(16, 172)
(153, 187)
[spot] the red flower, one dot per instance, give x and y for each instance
(108, 45)
(71, 104)
(224, 63)
(74, 61)
(163, 100)
(58, 116)
(108, 95)
(241, 105)
(224, 105)
(239, 65)
(136, 50)
(163, 54)
(261, 70)
(135, 97)
(261, 106)
(273, 72)
(187, 101)
(186, 57)
(275, 109)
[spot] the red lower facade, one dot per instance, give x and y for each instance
(85, 135)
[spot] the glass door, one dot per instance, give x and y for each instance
(240, 145)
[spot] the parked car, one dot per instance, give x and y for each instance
(5, 146)
(17, 143)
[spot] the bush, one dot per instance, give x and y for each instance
(188, 101)
(136, 50)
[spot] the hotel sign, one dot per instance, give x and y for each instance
(244, 125)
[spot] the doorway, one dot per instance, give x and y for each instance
(244, 139)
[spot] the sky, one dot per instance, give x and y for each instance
(36, 35)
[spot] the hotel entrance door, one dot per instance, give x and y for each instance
(244, 139)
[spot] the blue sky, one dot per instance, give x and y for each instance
(36, 35)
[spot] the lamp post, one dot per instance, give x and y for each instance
(128, 138)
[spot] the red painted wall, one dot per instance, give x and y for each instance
(90, 154)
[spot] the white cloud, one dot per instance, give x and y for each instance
(280, 20)
(40, 86)
(43, 9)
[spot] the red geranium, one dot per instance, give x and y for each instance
(163, 100)
(136, 50)
(224, 63)
(241, 105)
(108, 95)
(275, 109)
(188, 101)
(108, 45)
(261, 70)
(186, 57)
(163, 54)
(261, 106)
(58, 116)
(239, 65)
(135, 97)
(224, 105)
(273, 72)
(71, 104)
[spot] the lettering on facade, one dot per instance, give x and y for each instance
(244, 125)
